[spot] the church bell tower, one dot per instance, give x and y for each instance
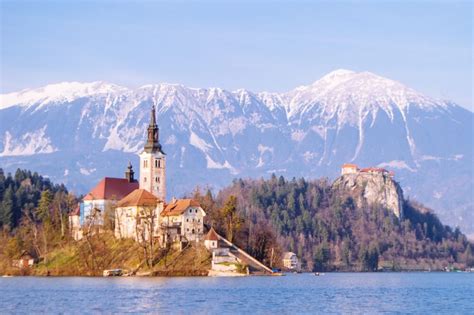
(152, 162)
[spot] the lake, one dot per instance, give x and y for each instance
(354, 293)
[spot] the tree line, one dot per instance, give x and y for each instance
(327, 230)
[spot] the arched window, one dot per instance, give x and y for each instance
(192, 231)
(144, 179)
(156, 163)
(156, 179)
(159, 163)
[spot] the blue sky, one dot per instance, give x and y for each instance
(266, 45)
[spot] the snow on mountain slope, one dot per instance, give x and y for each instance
(57, 93)
(85, 131)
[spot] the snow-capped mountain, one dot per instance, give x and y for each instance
(79, 132)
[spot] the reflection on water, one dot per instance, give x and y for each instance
(358, 293)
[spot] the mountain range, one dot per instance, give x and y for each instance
(77, 133)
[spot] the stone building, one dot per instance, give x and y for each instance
(137, 216)
(183, 220)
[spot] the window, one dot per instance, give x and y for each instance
(190, 210)
(192, 231)
(159, 163)
(187, 220)
(196, 210)
(144, 179)
(145, 163)
(199, 220)
(156, 179)
(187, 230)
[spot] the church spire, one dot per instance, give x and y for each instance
(153, 142)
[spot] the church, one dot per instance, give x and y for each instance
(138, 209)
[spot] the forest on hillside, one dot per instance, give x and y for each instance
(20, 195)
(266, 217)
(326, 229)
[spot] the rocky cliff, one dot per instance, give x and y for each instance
(372, 188)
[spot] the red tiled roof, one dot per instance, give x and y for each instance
(111, 189)
(138, 197)
(211, 235)
(374, 169)
(179, 206)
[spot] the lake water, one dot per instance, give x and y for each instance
(354, 293)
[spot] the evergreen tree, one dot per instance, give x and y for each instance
(44, 207)
(6, 211)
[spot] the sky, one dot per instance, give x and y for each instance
(258, 45)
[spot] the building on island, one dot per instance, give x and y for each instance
(291, 261)
(104, 196)
(140, 212)
(137, 216)
(183, 220)
(139, 207)
(211, 239)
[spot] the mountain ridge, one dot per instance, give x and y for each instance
(212, 135)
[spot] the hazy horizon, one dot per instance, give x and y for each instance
(262, 46)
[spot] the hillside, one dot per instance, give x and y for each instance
(84, 131)
(331, 226)
(331, 230)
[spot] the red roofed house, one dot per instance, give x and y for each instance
(182, 220)
(137, 214)
(104, 196)
(375, 170)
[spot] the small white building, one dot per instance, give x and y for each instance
(211, 240)
(349, 169)
(291, 261)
